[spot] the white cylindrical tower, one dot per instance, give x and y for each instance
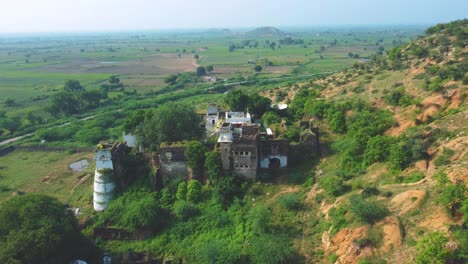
(103, 180)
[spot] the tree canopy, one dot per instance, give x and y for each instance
(168, 123)
(38, 229)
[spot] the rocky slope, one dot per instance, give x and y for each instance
(423, 85)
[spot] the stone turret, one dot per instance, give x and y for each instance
(104, 184)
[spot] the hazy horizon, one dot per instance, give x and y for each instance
(67, 16)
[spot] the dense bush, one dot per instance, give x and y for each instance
(269, 248)
(194, 189)
(432, 249)
(367, 211)
(333, 185)
(452, 197)
(259, 219)
(291, 201)
(168, 123)
(134, 209)
(185, 210)
(270, 118)
(38, 229)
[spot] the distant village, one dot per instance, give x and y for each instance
(245, 148)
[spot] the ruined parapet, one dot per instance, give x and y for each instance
(104, 184)
(172, 159)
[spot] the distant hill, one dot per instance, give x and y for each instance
(219, 31)
(266, 32)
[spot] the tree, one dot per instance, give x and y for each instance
(64, 102)
(169, 123)
(377, 149)
(237, 100)
(337, 122)
(272, 45)
(452, 197)
(171, 79)
(258, 105)
(209, 68)
(11, 124)
(194, 191)
(258, 68)
(213, 165)
(114, 79)
(90, 99)
(73, 86)
(228, 188)
(38, 229)
(133, 120)
(232, 47)
(432, 249)
(9, 102)
(196, 56)
(270, 118)
(201, 71)
(182, 191)
(195, 153)
(184, 210)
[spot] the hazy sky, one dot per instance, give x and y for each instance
(97, 15)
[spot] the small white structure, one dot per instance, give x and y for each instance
(209, 79)
(237, 118)
(130, 139)
(212, 117)
(225, 133)
(103, 179)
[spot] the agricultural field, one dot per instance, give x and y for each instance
(32, 68)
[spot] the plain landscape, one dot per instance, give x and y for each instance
(386, 184)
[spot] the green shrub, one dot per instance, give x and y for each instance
(194, 191)
(133, 210)
(333, 185)
(452, 197)
(432, 249)
(369, 191)
(337, 219)
(367, 211)
(444, 158)
(291, 201)
(185, 210)
(413, 177)
(259, 219)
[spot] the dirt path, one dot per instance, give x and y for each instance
(11, 140)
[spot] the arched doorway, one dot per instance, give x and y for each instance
(275, 163)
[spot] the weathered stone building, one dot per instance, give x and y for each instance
(172, 160)
(239, 151)
(243, 148)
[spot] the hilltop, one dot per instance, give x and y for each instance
(265, 32)
(394, 140)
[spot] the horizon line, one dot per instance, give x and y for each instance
(194, 29)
